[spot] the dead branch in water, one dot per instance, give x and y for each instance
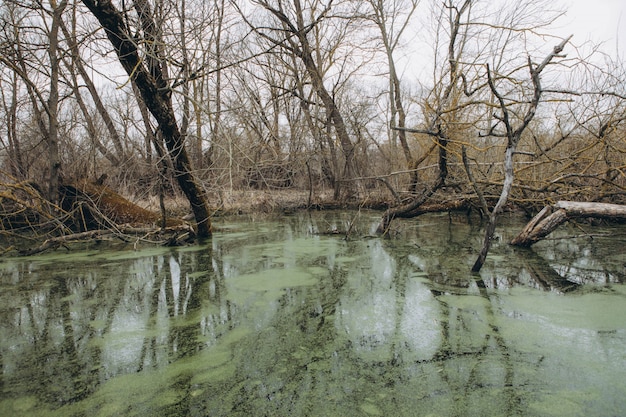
(172, 236)
(551, 217)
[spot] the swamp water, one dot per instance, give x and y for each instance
(273, 318)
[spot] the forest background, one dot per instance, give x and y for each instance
(258, 105)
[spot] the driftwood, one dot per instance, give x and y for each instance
(170, 236)
(551, 217)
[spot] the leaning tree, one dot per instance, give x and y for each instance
(148, 69)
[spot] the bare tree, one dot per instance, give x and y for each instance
(296, 25)
(392, 21)
(77, 65)
(441, 109)
(53, 101)
(9, 92)
(512, 132)
(45, 109)
(155, 91)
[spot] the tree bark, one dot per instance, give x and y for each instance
(18, 167)
(54, 162)
(157, 97)
(390, 39)
(551, 217)
(297, 43)
(332, 110)
(406, 210)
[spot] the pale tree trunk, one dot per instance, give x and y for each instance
(551, 217)
(513, 136)
(156, 94)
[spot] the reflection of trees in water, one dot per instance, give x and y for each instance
(443, 250)
(472, 356)
(69, 333)
(283, 365)
(372, 328)
(405, 327)
(584, 260)
(47, 335)
(363, 332)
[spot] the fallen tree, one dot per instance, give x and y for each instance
(150, 74)
(96, 205)
(87, 211)
(552, 216)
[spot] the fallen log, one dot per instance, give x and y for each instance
(104, 202)
(170, 236)
(551, 217)
(55, 242)
(87, 211)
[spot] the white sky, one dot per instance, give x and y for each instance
(597, 21)
(592, 22)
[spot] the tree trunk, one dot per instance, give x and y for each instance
(54, 162)
(297, 43)
(514, 136)
(551, 217)
(157, 97)
(77, 62)
(407, 210)
(493, 216)
(18, 168)
(349, 170)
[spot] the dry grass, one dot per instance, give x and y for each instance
(264, 201)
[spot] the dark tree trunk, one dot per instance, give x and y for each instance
(157, 97)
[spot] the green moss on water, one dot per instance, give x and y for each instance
(219, 366)
(273, 279)
(562, 403)
(198, 274)
(371, 409)
(98, 324)
(143, 253)
(21, 406)
(71, 297)
(271, 320)
(601, 310)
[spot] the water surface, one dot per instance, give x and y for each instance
(294, 316)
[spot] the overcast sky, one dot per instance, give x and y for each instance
(598, 21)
